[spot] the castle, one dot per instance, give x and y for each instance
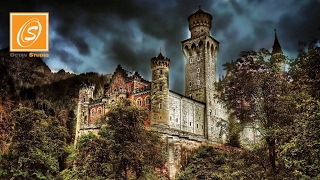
(185, 121)
(195, 114)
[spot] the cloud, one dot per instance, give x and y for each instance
(90, 36)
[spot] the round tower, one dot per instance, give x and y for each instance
(160, 90)
(85, 94)
(199, 23)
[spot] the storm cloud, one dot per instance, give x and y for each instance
(96, 36)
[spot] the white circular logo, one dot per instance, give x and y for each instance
(26, 39)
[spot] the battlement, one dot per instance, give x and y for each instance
(160, 61)
(199, 23)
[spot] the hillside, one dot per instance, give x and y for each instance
(29, 71)
(30, 82)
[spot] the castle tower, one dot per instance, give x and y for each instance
(85, 94)
(200, 52)
(160, 90)
(277, 54)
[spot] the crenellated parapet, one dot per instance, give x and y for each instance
(199, 23)
(160, 62)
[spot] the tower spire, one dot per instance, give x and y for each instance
(276, 45)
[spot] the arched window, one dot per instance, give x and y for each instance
(99, 111)
(198, 82)
(190, 83)
(160, 87)
(160, 71)
(160, 106)
(93, 111)
(191, 60)
(139, 102)
(198, 70)
(84, 99)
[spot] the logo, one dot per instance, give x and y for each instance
(29, 32)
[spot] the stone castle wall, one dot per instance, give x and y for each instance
(186, 114)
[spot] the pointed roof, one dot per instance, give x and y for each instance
(160, 56)
(276, 45)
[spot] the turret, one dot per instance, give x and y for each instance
(160, 90)
(199, 23)
(85, 94)
(277, 54)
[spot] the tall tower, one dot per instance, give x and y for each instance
(200, 52)
(277, 54)
(160, 90)
(85, 94)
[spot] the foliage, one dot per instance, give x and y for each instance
(124, 149)
(211, 163)
(299, 145)
(255, 91)
(35, 147)
(233, 135)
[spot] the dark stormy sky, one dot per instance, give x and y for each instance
(97, 35)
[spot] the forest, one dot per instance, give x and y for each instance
(37, 125)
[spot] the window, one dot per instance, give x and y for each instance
(191, 60)
(82, 113)
(160, 71)
(198, 70)
(160, 87)
(177, 120)
(198, 82)
(93, 112)
(190, 124)
(84, 99)
(197, 126)
(147, 101)
(139, 102)
(129, 88)
(170, 118)
(160, 106)
(190, 83)
(99, 111)
(199, 58)
(190, 96)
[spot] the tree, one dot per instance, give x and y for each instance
(255, 91)
(299, 143)
(233, 135)
(5, 129)
(124, 148)
(35, 148)
(133, 148)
